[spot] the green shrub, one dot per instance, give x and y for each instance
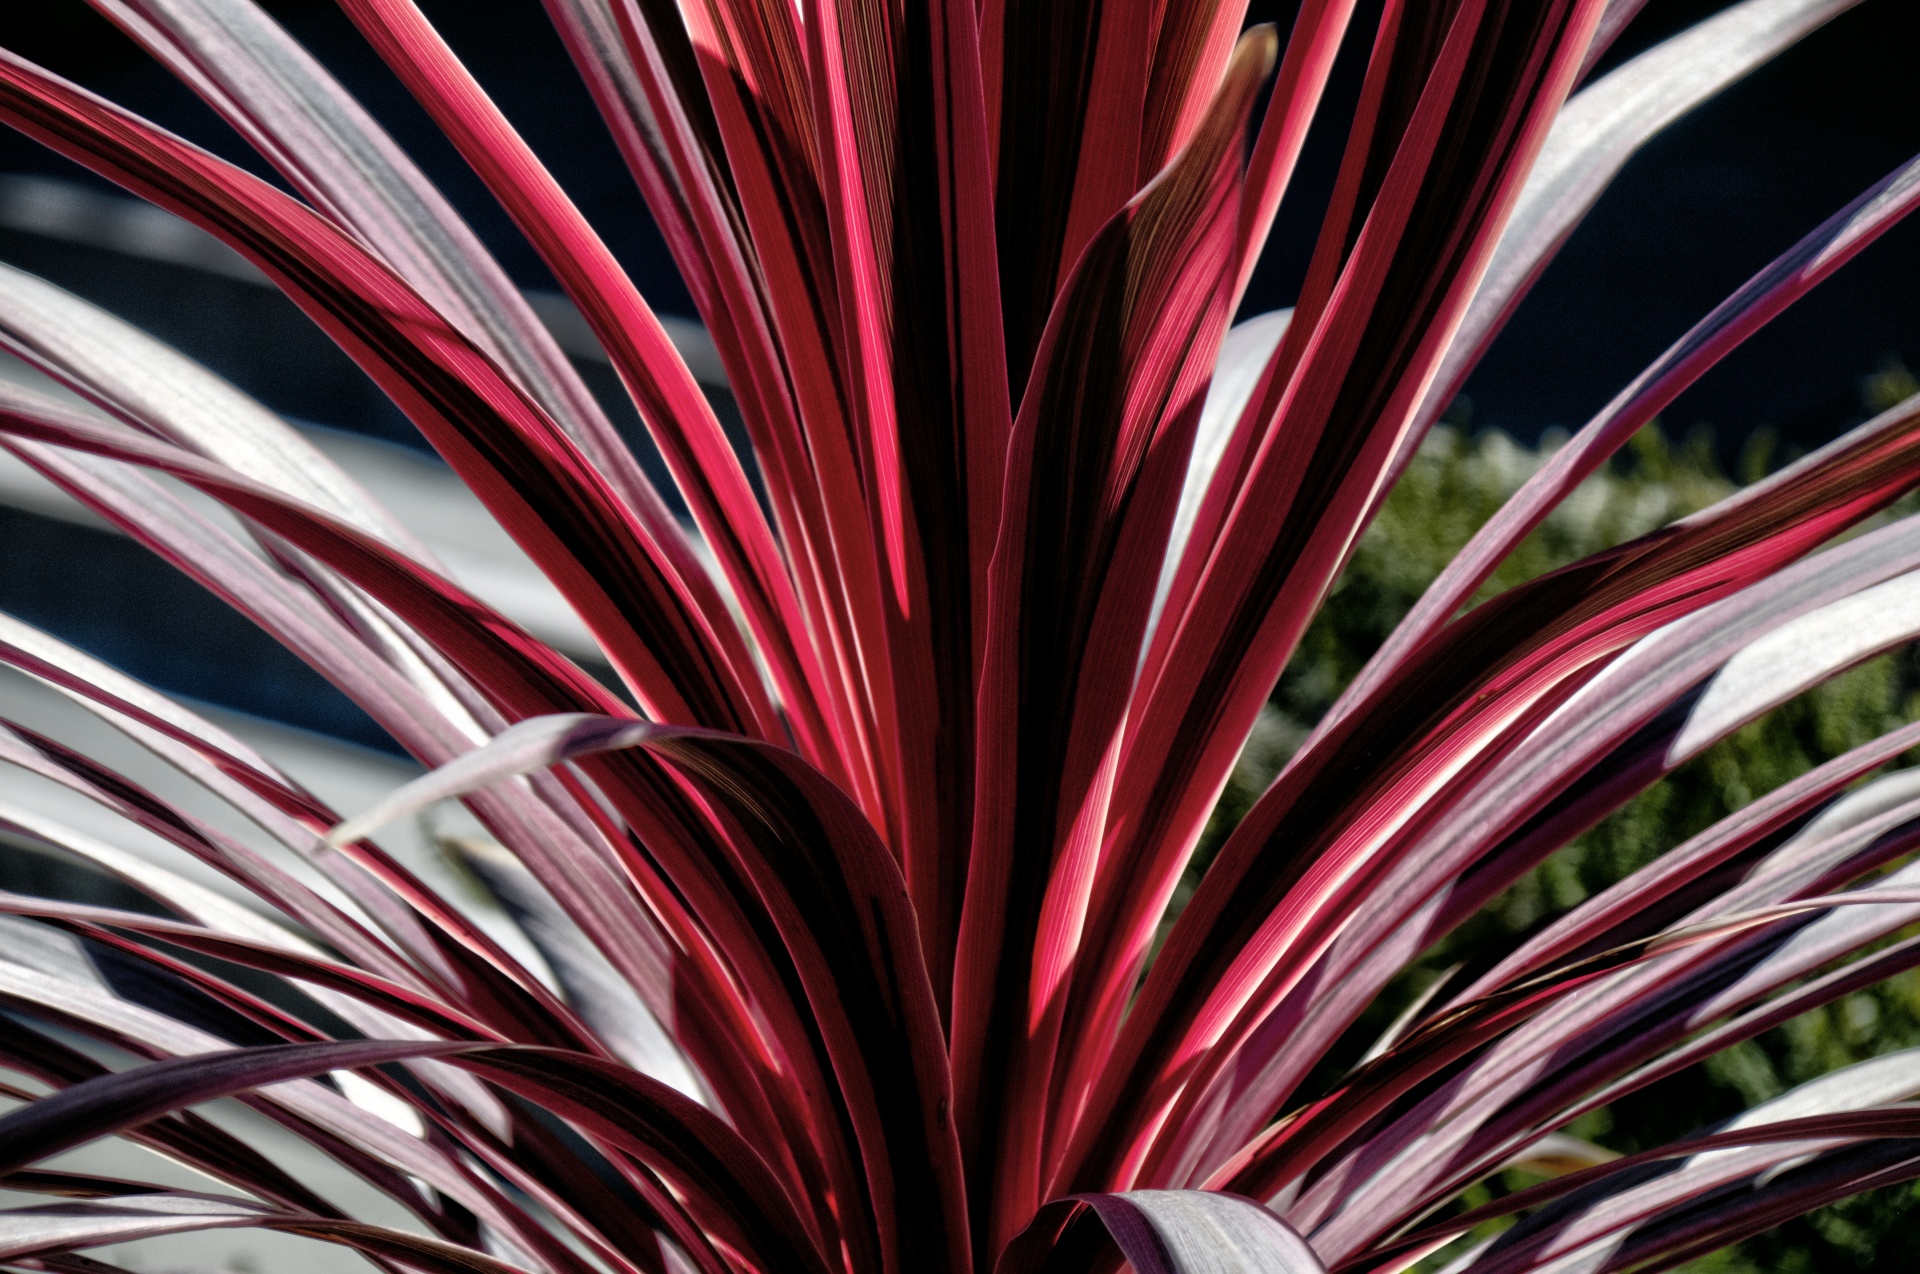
(1455, 483)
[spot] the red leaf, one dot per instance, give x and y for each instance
(1093, 478)
(519, 463)
(1441, 203)
(103, 1106)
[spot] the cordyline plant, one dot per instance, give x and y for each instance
(849, 896)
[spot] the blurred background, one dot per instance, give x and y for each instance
(1695, 214)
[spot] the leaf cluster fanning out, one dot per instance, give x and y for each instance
(840, 896)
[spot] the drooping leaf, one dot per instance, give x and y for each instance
(834, 897)
(533, 744)
(728, 1184)
(1165, 1232)
(103, 1106)
(967, 267)
(705, 469)
(495, 437)
(49, 1231)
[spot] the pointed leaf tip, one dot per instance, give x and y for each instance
(533, 744)
(1169, 1232)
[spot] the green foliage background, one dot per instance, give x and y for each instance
(1453, 486)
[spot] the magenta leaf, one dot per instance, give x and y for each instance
(1164, 1232)
(103, 1106)
(833, 937)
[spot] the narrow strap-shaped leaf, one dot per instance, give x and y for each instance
(101, 1107)
(296, 115)
(1784, 281)
(187, 1136)
(731, 1000)
(1409, 49)
(1700, 854)
(1621, 1020)
(1333, 426)
(546, 1023)
(1869, 1124)
(155, 389)
(289, 614)
(1163, 1232)
(1791, 871)
(1258, 1089)
(1797, 656)
(1112, 164)
(757, 1087)
(52, 760)
(533, 744)
(1402, 889)
(75, 1185)
(1317, 33)
(1037, 61)
(1696, 1228)
(1790, 512)
(409, 1005)
(27, 1232)
(1318, 30)
(1598, 130)
(176, 893)
(72, 1263)
(1309, 1135)
(677, 414)
(1190, 55)
(367, 1144)
(83, 677)
(639, 63)
(1742, 981)
(531, 663)
(751, 60)
(600, 902)
(698, 1153)
(1799, 653)
(1599, 1009)
(834, 896)
(1093, 474)
(219, 763)
(571, 690)
(1605, 1207)
(910, 187)
(148, 384)
(1236, 371)
(231, 770)
(30, 1232)
(866, 63)
(527, 471)
(1303, 785)
(306, 1108)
